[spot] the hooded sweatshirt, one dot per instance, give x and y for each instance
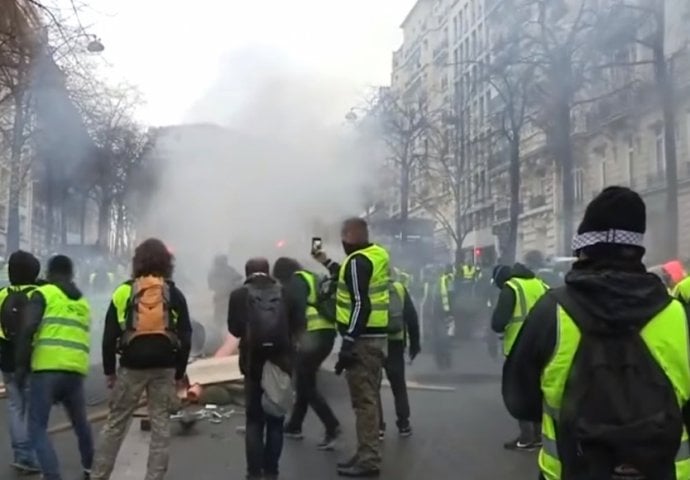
(33, 316)
(609, 297)
(505, 305)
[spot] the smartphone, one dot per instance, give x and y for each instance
(316, 244)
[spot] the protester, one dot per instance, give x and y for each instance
(315, 343)
(362, 299)
(443, 318)
(603, 361)
(394, 365)
(520, 290)
(148, 324)
(23, 270)
(52, 349)
(222, 279)
(267, 323)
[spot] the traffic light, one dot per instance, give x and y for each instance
(280, 243)
(477, 252)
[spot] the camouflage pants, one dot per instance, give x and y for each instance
(159, 387)
(363, 380)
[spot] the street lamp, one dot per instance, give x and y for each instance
(95, 45)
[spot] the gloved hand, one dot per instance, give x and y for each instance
(415, 348)
(347, 357)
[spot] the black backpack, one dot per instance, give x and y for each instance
(267, 321)
(619, 417)
(12, 311)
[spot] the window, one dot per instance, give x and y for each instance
(659, 148)
(455, 28)
(579, 183)
(3, 217)
(602, 173)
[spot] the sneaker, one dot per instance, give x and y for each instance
(405, 431)
(293, 433)
(521, 446)
(382, 434)
(329, 440)
(87, 475)
(26, 467)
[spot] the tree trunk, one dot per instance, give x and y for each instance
(511, 245)
(82, 223)
(563, 150)
(459, 227)
(13, 223)
(104, 222)
(404, 201)
(664, 83)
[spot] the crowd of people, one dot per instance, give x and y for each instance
(597, 371)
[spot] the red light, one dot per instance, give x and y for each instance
(477, 252)
(280, 243)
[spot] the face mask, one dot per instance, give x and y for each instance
(349, 248)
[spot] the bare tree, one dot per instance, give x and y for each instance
(553, 36)
(643, 22)
(403, 126)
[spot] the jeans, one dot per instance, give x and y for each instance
(316, 346)
(17, 406)
(394, 367)
(264, 435)
(47, 389)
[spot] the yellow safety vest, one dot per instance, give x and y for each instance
(315, 321)
(443, 290)
(527, 292)
(402, 277)
(62, 340)
(469, 272)
(666, 337)
(398, 289)
(682, 290)
(6, 291)
(378, 289)
(120, 300)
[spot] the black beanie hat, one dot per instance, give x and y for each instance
(617, 216)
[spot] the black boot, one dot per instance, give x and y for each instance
(358, 471)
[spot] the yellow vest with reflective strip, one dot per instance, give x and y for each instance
(315, 321)
(666, 336)
(378, 288)
(62, 340)
(443, 290)
(527, 292)
(682, 290)
(6, 291)
(469, 272)
(120, 299)
(397, 288)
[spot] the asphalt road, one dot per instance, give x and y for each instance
(457, 434)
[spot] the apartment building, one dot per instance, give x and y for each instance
(617, 140)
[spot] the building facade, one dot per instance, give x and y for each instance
(617, 140)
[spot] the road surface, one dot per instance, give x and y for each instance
(457, 434)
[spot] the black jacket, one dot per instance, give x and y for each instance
(611, 298)
(251, 362)
(505, 305)
(152, 351)
(411, 320)
(7, 350)
(33, 315)
(358, 272)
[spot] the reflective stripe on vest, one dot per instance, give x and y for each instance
(62, 340)
(668, 347)
(378, 289)
(398, 289)
(443, 290)
(315, 321)
(3, 296)
(527, 292)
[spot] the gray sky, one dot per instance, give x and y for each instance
(174, 50)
